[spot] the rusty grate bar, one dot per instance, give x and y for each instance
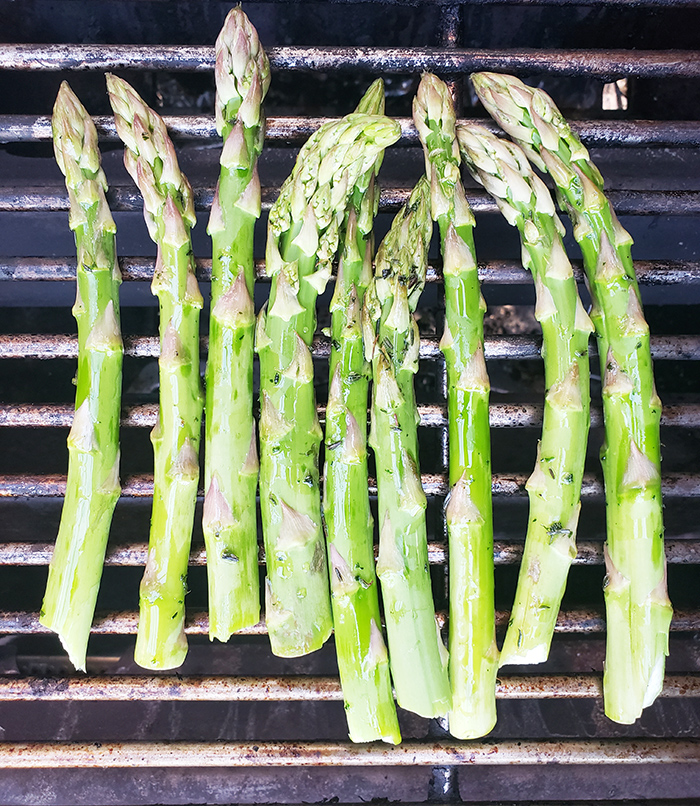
(664, 348)
(125, 199)
(301, 688)
(569, 622)
(505, 485)
(678, 552)
(23, 755)
(614, 63)
(501, 415)
(296, 130)
(493, 272)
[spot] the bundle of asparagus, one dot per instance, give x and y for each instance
(417, 655)
(231, 459)
(638, 609)
(92, 487)
(303, 237)
(554, 487)
(169, 212)
(362, 658)
(473, 650)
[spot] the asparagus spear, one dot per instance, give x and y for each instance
(473, 650)
(362, 658)
(638, 609)
(92, 487)
(303, 234)
(417, 655)
(231, 459)
(555, 485)
(169, 212)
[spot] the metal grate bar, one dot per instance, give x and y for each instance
(302, 688)
(296, 130)
(664, 348)
(494, 272)
(683, 551)
(188, 755)
(615, 63)
(505, 485)
(128, 199)
(569, 622)
(502, 415)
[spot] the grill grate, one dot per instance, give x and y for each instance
(582, 623)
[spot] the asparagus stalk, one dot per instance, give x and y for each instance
(637, 604)
(231, 459)
(92, 487)
(362, 657)
(303, 235)
(473, 650)
(555, 485)
(169, 212)
(418, 657)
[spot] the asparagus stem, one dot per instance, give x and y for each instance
(638, 609)
(363, 661)
(169, 212)
(417, 655)
(92, 487)
(231, 460)
(473, 650)
(555, 485)
(303, 234)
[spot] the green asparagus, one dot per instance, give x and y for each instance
(637, 604)
(92, 488)
(362, 657)
(472, 636)
(231, 459)
(555, 485)
(169, 212)
(418, 657)
(303, 237)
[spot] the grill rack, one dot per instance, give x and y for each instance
(450, 62)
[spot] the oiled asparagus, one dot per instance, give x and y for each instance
(554, 487)
(92, 487)
(150, 158)
(231, 458)
(363, 661)
(637, 604)
(472, 636)
(417, 655)
(303, 237)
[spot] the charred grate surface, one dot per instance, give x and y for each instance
(236, 724)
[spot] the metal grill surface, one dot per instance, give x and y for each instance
(433, 766)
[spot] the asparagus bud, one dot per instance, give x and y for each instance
(473, 651)
(92, 486)
(169, 213)
(638, 612)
